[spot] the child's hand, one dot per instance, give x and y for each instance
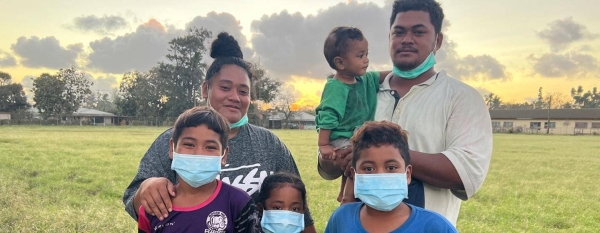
(327, 152)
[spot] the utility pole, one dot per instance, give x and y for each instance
(549, 106)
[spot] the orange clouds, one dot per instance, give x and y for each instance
(153, 23)
(308, 90)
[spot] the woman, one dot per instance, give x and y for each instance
(254, 152)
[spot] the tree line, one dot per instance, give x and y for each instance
(166, 90)
(12, 96)
(173, 86)
(579, 98)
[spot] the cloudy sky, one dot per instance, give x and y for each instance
(509, 47)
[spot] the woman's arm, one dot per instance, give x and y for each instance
(155, 163)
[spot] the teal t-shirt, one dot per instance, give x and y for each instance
(346, 218)
(344, 107)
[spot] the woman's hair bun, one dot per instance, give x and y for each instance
(225, 46)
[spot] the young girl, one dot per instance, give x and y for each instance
(203, 203)
(282, 201)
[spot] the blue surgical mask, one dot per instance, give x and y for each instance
(282, 221)
(422, 68)
(383, 191)
(412, 74)
(196, 170)
(240, 123)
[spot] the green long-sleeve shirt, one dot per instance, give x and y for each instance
(344, 107)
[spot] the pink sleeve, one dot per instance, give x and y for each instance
(143, 222)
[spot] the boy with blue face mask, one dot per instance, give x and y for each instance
(203, 203)
(381, 162)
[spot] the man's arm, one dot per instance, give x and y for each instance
(328, 169)
(463, 166)
(332, 169)
(155, 163)
(435, 170)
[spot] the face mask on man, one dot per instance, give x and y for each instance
(196, 170)
(383, 191)
(422, 68)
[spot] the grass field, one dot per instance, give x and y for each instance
(71, 179)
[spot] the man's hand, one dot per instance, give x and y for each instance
(327, 152)
(155, 195)
(339, 166)
(343, 159)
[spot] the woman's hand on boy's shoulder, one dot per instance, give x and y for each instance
(155, 196)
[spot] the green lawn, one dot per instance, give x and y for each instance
(70, 179)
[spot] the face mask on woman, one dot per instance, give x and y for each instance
(240, 123)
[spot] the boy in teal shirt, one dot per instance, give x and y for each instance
(381, 160)
(349, 97)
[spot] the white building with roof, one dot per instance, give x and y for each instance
(4, 115)
(297, 120)
(559, 121)
(87, 116)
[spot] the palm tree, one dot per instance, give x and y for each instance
(492, 101)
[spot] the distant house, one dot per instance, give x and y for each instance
(4, 115)
(258, 118)
(87, 116)
(562, 121)
(298, 120)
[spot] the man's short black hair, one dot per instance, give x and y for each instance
(436, 14)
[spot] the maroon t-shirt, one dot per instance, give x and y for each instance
(229, 209)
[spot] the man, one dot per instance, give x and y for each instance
(448, 123)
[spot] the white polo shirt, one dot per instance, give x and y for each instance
(444, 115)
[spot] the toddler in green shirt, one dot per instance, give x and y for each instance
(349, 97)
